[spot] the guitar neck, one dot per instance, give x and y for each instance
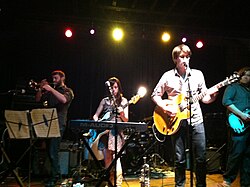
(133, 100)
(124, 106)
(201, 95)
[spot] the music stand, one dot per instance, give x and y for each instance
(17, 124)
(18, 128)
(45, 123)
(21, 124)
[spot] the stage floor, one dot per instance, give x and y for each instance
(129, 181)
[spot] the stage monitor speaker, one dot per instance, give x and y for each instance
(64, 162)
(67, 159)
(213, 160)
(215, 128)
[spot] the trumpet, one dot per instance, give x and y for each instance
(36, 85)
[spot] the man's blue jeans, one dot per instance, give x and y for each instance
(180, 142)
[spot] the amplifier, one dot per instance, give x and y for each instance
(67, 161)
(213, 160)
(67, 158)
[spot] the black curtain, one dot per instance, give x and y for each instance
(34, 50)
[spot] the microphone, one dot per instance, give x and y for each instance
(21, 91)
(107, 83)
(188, 70)
(186, 64)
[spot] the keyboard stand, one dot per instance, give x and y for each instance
(92, 153)
(105, 175)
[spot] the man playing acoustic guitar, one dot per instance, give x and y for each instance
(180, 84)
(236, 99)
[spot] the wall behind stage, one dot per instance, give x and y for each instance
(33, 50)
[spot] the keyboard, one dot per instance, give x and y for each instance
(82, 124)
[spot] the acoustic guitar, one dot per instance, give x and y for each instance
(169, 125)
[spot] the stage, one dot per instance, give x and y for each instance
(130, 181)
(90, 174)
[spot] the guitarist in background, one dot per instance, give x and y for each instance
(178, 81)
(108, 105)
(236, 99)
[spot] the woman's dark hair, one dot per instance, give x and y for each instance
(112, 81)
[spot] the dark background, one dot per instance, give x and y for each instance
(89, 61)
(32, 45)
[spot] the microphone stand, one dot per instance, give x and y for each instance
(190, 102)
(13, 92)
(116, 129)
(116, 134)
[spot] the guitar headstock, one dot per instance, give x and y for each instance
(141, 92)
(233, 78)
(135, 99)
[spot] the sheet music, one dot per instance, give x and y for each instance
(17, 124)
(45, 122)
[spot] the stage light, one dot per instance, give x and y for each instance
(184, 39)
(117, 34)
(199, 44)
(92, 31)
(142, 91)
(165, 37)
(68, 33)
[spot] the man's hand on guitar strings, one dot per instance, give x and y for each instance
(170, 110)
(120, 110)
(245, 117)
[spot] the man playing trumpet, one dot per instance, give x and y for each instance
(59, 97)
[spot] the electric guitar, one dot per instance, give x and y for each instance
(94, 146)
(169, 125)
(109, 115)
(236, 123)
